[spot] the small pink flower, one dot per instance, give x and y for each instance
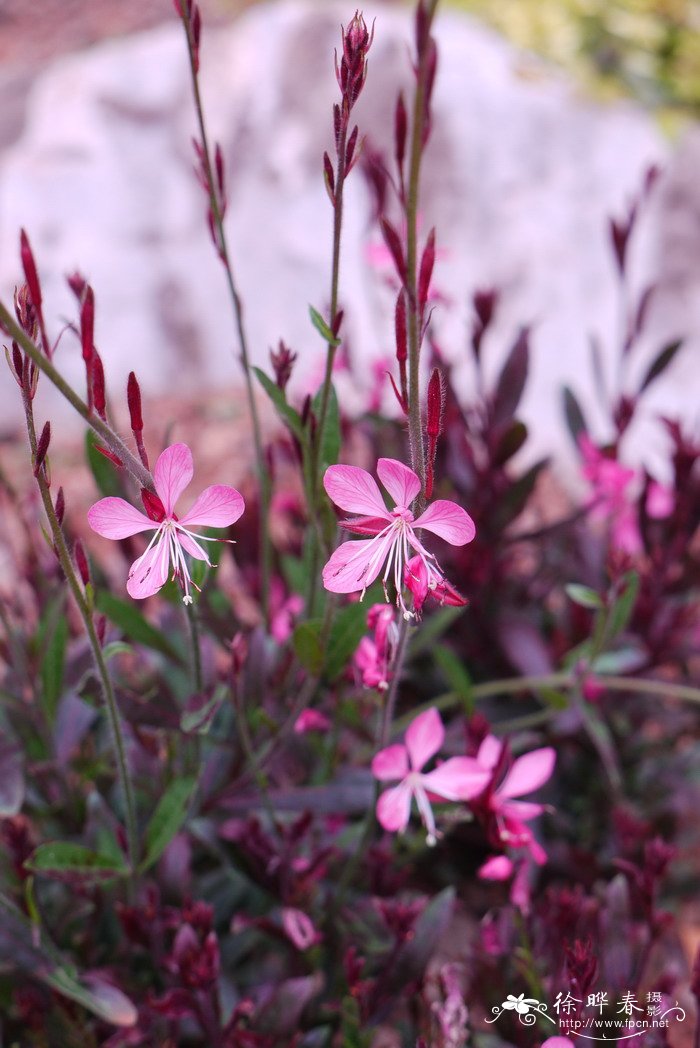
(374, 654)
(422, 585)
(609, 499)
(456, 779)
(526, 774)
(660, 501)
(497, 868)
(356, 564)
(299, 928)
(217, 507)
(311, 720)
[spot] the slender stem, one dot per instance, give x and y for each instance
(196, 652)
(390, 704)
(85, 609)
(222, 247)
(113, 441)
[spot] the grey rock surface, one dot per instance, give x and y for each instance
(520, 178)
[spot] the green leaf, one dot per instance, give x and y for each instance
(510, 442)
(307, 645)
(52, 666)
(68, 862)
(330, 451)
(660, 364)
(349, 627)
(432, 628)
(167, 819)
(558, 700)
(103, 1000)
(623, 607)
(458, 679)
(284, 410)
(104, 471)
(584, 596)
(322, 327)
(199, 719)
(131, 622)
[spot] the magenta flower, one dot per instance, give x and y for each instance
(610, 500)
(356, 564)
(456, 779)
(373, 655)
(217, 507)
(525, 775)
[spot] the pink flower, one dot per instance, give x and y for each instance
(299, 928)
(609, 500)
(660, 502)
(422, 585)
(217, 507)
(525, 775)
(456, 779)
(311, 720)
(374, 654)
(356, 564)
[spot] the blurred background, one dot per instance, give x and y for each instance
(548, 114)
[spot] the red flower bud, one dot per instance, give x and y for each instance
(393, 242)
(400, 132)
(133, 396)
(153, 505)
(87, 324)
(109, 455)
(29, 267)
(329, 177)
(100, 628)
(98, 385)
(60, 507)
(77, 283)
(42, 447)
(426, 270)
(435, 404)
(81, 562)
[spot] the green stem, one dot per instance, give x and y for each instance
(85, 609)
(103, 430)
(197, 679)
(390, 704)
(222, 246)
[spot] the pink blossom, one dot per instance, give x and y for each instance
(311, 720)
(507, 815)
(422, 585)
(374, 655)
(356, 564)
(497, 868)
(660, 501)
(609, 499)
(456, 779)
(299, 928)
(217, 507)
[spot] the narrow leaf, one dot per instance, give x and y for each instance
(322, 327)
(660, 364)
(67, 862)
(512, 379)
(132, 623)
(167, 819)
(103, 471)
(584, 596)
(575, 419)
(284, 410)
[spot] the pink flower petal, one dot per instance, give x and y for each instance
(192, 547)
(353, 489)
(449, 521)
(173, 472)
(116, 519)
(299, 928)
(497, 868)
(457, 779)
(149, 572)
(490, 752)
(528, 773)
(217, 507)
(390, 763)
(518, 811)
(424, 737)
(394, 808)
(347, 570)
(401, 482)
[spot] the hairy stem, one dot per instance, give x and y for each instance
(113, 441)
(222, 247)
(85, 609)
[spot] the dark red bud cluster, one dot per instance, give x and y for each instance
(190, 14)
(213, 182)
(352, 71)
(283, 360)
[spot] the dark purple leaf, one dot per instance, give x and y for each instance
(661, 363)
(512, 379)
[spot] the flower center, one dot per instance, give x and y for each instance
(401, 513)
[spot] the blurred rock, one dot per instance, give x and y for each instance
(520, 178)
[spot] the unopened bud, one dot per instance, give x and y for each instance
(329, 178)
(239, 652)
(42, 447)
(100, 628)
(29, 267)
(81, 562)
(98, 385)
(60, 506)
(153, 505)
(426, 270)
(133, 396)
(87, 324)
(400, 131)
(435, 404)
(282, 364)
(109, 455)
(77, 283)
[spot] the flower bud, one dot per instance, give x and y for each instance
(133, 396)
(42, 447)
(29, 267)
(81, 562)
